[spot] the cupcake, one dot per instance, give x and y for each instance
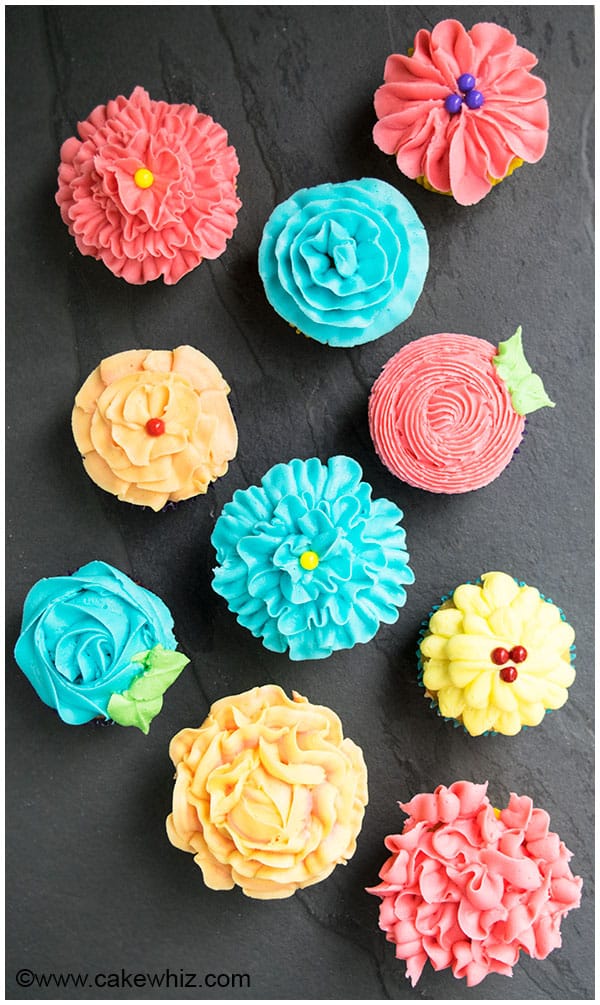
(462, 110)
(496, 655)
(154, 426)
(149, 189)
(269, 795)
(447, 412)
(95, 645)
(310, 563)
(468, 886)
(344, 263)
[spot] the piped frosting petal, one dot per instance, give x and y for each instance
(344, 263)
(468, 887)
(185, 208)
(463, 673)
(269, 795)
(181, 389)
(440, 416)
(464, 153)
(357, 567)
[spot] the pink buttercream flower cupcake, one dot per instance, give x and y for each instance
(447, 412)
(462, 111)
(468, 886)
(150, 188)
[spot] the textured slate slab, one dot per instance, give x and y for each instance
(94, 885)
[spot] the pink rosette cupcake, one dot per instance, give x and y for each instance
(447, 412)
(150, 188)
(462, 110)
(468, 886)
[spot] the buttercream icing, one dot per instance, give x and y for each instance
(442, 413)
(344, 263)
(462, 153)
(308, 561)
(269, 795)
(150, 188)
(458, 654)
(85, 639)
(182, 391)
(469, 887)
(141, 702)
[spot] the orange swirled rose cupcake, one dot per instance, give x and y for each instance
(154, 426)
(269, 795)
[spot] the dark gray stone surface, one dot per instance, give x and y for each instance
(93, 884)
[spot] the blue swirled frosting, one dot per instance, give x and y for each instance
(344, 263)
(79, 636)
(356, 569)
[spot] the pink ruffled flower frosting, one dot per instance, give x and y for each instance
(462, 153)
(469, 887)
(150, 188)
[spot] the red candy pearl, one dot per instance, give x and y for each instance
(508, 674)
(518, 654)
(500, 656)
(156, 427)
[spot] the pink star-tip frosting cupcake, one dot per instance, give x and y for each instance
(447, 412)
(469, 887)
(149, 189)
(462, 111)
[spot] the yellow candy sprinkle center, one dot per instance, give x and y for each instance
(143, 178)
(309, 560)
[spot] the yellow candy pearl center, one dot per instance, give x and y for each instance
(309, 560)
(143, 178)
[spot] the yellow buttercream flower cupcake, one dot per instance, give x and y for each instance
(496, 655)
(269, 794)
(155, 426)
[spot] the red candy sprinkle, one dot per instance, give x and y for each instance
(508, 674)
(518, 654)
(500, 656)
(156, 427)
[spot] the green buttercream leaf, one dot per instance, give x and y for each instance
(144, 698)
(530, 395)
(526, 388)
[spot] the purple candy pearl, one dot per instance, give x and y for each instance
(453, 103)
(474, 99)
(466, 82)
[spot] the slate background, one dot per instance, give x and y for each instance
(93, 884)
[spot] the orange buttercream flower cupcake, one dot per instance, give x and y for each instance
(154, 426)
(269, 795)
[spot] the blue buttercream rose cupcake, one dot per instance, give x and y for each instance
(308, 561)
(344, 263)
(95, 645)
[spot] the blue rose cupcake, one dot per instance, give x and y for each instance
(344, 263)
(308, 561)
(95, 645)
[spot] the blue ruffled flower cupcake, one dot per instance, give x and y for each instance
(344, 263)
(96, 645)
(308, 561)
